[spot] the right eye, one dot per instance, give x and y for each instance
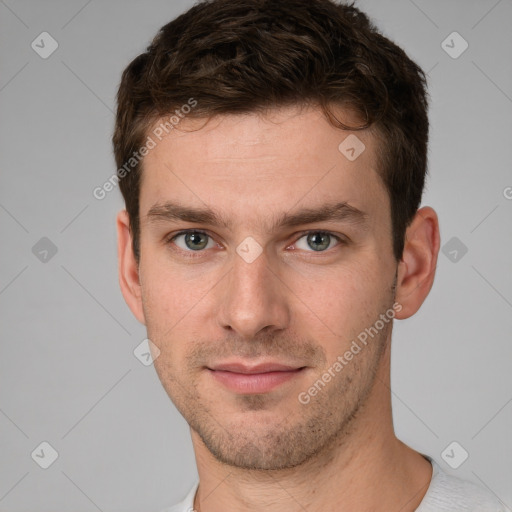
(192, 240)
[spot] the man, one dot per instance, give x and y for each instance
(272, 157)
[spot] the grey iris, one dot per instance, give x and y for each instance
(195, 238)
(318, 238)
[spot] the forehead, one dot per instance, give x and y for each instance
(262, 164)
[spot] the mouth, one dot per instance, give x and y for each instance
(256, 379)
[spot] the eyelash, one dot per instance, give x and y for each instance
(197, 254)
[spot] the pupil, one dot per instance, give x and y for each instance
(323, 236)
(195, 238)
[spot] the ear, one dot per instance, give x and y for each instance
(417, 267)
(128, 268)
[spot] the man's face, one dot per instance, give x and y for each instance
(211, 299)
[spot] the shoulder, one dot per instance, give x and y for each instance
(448, 493)
(185, 505)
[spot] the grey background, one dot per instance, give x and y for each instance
(67, 369)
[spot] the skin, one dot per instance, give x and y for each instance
(292, 305)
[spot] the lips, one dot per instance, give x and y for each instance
(253, 379)
(259, 368)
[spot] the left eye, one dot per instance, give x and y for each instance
(319, 241)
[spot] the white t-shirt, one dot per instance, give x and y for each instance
(445, 493)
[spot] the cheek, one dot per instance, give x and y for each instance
(348, 299)
(164, 299)
(322, 300)
(175, 300)
(169, 289)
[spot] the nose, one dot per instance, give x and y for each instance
(253, 298)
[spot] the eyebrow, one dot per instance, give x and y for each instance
(337, 212)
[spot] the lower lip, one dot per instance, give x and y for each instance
(254, 382)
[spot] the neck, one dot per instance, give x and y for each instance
(366, 468)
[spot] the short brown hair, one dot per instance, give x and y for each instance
(240, 56)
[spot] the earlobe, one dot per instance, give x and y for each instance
(129, 279)
(417, 268)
